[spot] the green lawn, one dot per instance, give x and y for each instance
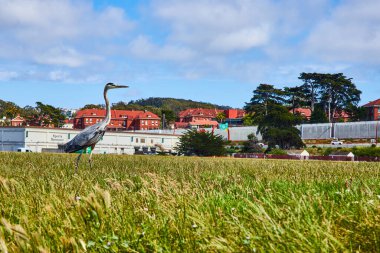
(179, 204)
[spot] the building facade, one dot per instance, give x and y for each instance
(373, 110)
(120, 119)
(306, 113)
(18, 121)
(200, 117)
(37, 139)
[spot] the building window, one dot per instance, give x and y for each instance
(162, 140)
(131, 138)
(151, 141)
(137, 140)
(142, 141)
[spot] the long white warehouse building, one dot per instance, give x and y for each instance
(43, 139)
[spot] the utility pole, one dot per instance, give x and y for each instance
(376, 131)
(329, 101)
(163, 121)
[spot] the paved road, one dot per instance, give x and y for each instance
(345, 145)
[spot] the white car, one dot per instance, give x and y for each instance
(24, 150)
(336, 142)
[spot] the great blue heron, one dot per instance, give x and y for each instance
(92, 134)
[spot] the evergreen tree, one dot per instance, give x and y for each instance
(318, 115)
(278, 128)
(201, 143)
(295, 97)
(264, 96)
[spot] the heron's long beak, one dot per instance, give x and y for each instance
(121, 86)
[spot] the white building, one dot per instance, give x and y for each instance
(36, 139)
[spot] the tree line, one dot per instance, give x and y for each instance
(39, 115)
(326, 95)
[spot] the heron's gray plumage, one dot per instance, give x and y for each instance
(88, 137)
(92, 134)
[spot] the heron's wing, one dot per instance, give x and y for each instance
(88, 137)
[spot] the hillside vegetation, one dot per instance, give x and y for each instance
(174, 104)
(179, 204)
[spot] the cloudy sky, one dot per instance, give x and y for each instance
(62, 52)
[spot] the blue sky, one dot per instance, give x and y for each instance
(62, 52)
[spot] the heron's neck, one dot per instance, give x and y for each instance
(108, 109)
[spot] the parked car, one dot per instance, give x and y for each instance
(24, 150)
(336, 142)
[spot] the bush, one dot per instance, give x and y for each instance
(252, 145)
(367, 151)
(201, 143)
(277, 151)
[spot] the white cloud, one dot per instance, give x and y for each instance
(58, 75)
(7, 75)
(219, 26)
(36, 30)
(64, 56)
(351, 33)
(142, 47)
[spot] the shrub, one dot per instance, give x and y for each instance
(277, 151)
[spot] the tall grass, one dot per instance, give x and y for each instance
(178, 204)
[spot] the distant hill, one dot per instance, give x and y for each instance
(173, 104)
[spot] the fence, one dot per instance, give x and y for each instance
(345, 130)
(299, 157)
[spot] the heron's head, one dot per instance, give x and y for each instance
(114, 86)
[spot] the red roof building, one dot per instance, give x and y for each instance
(306, 112)
(120, 119)
(373, 110)
(200, 117)
(194, 114)
(18, 121)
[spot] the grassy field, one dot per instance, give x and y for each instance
(179, 204)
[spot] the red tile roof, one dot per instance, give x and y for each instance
(199, 112)
(208, 112)
(341, 114)
(116, 114)
(147, 115)
(375, 103)
(303, 111)
(18, 118)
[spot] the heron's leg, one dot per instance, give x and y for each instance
(90, 158)
(77, 163)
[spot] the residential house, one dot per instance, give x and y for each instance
(306, 112)
(373, 112)
(200, 117)
(18, 121)
(120, 119)
(68, 123)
